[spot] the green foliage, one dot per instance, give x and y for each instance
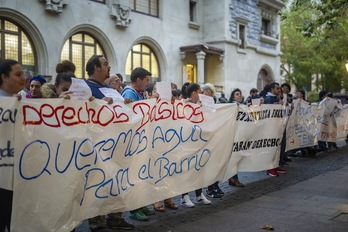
(312, 96)
(314, 44)
(326, 14)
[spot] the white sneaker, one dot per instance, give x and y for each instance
(186, 201)
(202, 200)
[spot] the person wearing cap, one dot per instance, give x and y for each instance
(35, 86)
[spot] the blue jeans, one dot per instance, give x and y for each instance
(83, 227)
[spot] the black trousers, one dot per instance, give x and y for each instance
(5, 209)
(283, 155)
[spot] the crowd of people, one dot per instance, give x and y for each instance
(15, 81)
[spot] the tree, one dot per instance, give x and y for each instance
(328, 14)
(315, 50)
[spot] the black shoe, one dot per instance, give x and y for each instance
(124, 225)
(218, 190)
(212, 194)
(99, 229)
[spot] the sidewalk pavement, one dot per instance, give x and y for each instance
(318, 204)
(311, 197)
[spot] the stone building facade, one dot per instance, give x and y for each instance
(230, 43)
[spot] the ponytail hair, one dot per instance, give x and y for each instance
(188, 88)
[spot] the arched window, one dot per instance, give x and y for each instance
(264, 78)
(15, 44)
(142, 56)
(78, 49)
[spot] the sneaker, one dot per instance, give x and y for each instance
(280, 170)
(202, 200)
(213, 194)
(139, 216)
(186, 201)
(218, 190)
(272, 172)
(298, 153)
(124, 225)
(146, 211)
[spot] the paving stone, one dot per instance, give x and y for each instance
(306, 198)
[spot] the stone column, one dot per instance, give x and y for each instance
(200, 67)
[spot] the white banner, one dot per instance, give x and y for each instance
(258, 136)
(301, 130)
(8, 111)
(326, 120)
(342, 123)
(77, 160)
(74, 160)
(308, 123)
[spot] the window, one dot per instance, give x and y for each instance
(193, 11)
(193, 24)
(241, 32)
(149, 7)
(14, 44)
(266, 27)
(78, 49)
(241, 29)
(142, 56)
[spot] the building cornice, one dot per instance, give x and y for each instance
(274, 4)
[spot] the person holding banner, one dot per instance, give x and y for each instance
(98, 71)
(115, 82)
(273, 97)
(65, 66)
(11, 83)
(253, 95)
(322, 145)
(301, 94)
(287, 101)
(213, 191)
(286, 88)
(236, 97)
(151, 92)
(190, 94)
(135, 91)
